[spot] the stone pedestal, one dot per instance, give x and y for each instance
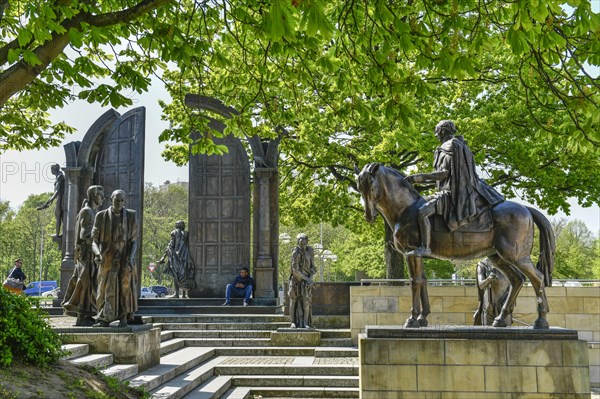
(295, 337)
(472, 362)
(130, 345)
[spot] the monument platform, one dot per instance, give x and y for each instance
(472, 362)
(135, 344)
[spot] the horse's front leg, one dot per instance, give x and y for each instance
(425, 309)
(415, 269)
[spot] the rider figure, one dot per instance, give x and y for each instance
(461, 196)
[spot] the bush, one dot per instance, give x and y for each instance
(24, 332)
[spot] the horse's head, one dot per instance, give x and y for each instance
(370, 189)
(384, 190)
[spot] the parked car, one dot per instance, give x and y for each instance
(146, 293)
(573, 284)
(159, 290)
(51, 293)
(37, 288)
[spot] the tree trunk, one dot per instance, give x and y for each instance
(394, 260)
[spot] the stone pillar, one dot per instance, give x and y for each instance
(266, 231)
(68, 263)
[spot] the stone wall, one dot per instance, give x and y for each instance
(483, 367)
(576, 308)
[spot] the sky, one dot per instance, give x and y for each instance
(28, 172)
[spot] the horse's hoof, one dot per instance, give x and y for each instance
(541, 324)
(411, 323)
(498, 322)
(422, 321)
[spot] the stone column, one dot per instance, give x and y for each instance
(68, 263)
(265, 231)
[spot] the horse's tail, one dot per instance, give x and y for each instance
(547, 245)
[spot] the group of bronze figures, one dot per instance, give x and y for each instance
(104, 284)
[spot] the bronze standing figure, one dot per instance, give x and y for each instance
(508, 244)
(301, 283)
(492, 291)
(80, 297)
(59, 190)
(114, 244)
(180, 263)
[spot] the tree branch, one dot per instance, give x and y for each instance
(21, 74)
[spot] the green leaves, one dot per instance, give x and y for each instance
(517, 39)
(280, 21)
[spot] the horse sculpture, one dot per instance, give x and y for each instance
(508, 244)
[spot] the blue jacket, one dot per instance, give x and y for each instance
(246, 281)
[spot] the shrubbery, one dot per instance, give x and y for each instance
(24, 333)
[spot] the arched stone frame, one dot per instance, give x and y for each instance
(265, 201)
(82, 170)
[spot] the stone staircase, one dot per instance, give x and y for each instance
(79, 355)
(230, 356)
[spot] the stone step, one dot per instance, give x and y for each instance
(171, 366)
(265, 351)
(97, 360)
(240, 334)
(216, 310)
(321, 322)
(224, 326)
(336, 352)
(217, 342)
(237, 393)
(337, 342)
(170, 345)
(287, 369)
(335, 333)
(185, 382)
(120, 371)
(198, 381)
(211, 389)
(297, 392)
(295, 381)
(213, 318)
(204, 302)
(75, 350)
(165, 335)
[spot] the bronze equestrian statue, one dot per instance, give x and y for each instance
(508, 244)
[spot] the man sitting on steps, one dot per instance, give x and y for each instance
(243, 286)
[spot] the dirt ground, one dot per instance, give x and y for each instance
(62, 381)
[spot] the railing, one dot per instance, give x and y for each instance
(473, 282)
(434, 282)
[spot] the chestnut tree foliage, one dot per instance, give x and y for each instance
(53, 52)
(351, 82)
(344, 82)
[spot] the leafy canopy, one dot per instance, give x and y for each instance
(354, 82)
(52, 53)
